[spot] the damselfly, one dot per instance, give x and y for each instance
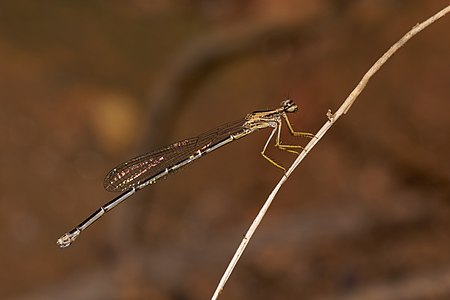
(135, 174)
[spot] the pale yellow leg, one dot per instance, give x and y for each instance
(297, 133)
(264, 150)
(284, 147)
(289, 148)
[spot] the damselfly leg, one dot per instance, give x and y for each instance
(284, 147)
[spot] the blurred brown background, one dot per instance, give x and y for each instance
(85, 85)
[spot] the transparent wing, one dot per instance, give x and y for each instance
(139, 169)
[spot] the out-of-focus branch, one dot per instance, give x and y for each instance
(170, 93)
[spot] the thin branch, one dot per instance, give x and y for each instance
(332, 118)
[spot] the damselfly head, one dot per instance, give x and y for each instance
(289, 106)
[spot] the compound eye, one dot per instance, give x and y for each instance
(289, 106)
(292, 109)
(286, 103)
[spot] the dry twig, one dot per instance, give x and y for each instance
(332, 118)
